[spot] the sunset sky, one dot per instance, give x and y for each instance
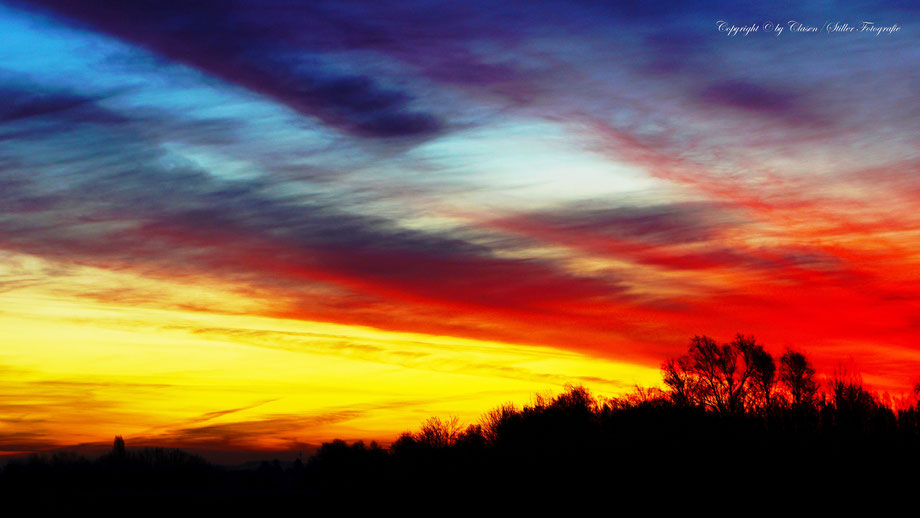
(262, 224)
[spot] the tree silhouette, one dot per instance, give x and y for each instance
(726, 378)
(798, 377)
(678, 375)
(848, 393)
(118, 448)
(763, 379)
(437, 433)
(497, 422)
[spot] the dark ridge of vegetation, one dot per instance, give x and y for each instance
(732, 425)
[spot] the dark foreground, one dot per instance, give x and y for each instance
(647, 452)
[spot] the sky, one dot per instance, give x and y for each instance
(260, 225)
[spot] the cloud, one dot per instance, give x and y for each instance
(92, 202)
(243, 44)
(662, 224)
(29, 102)
(678, 236)
(757, 98)
(419, 355)
(275, 431)
(749, 96)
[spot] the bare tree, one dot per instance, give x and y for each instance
(439, 434)
(797, 375)
(495, 422)
(849, 394)
(712, 364)
(763, 380)
(726, 378)
(682, 381)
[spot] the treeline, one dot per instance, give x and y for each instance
(731, 422)
(732, 425)
(742, 378)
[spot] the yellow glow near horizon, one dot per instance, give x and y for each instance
(76, 371)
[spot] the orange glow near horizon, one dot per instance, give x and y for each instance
(80, 372)
(79, 368)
